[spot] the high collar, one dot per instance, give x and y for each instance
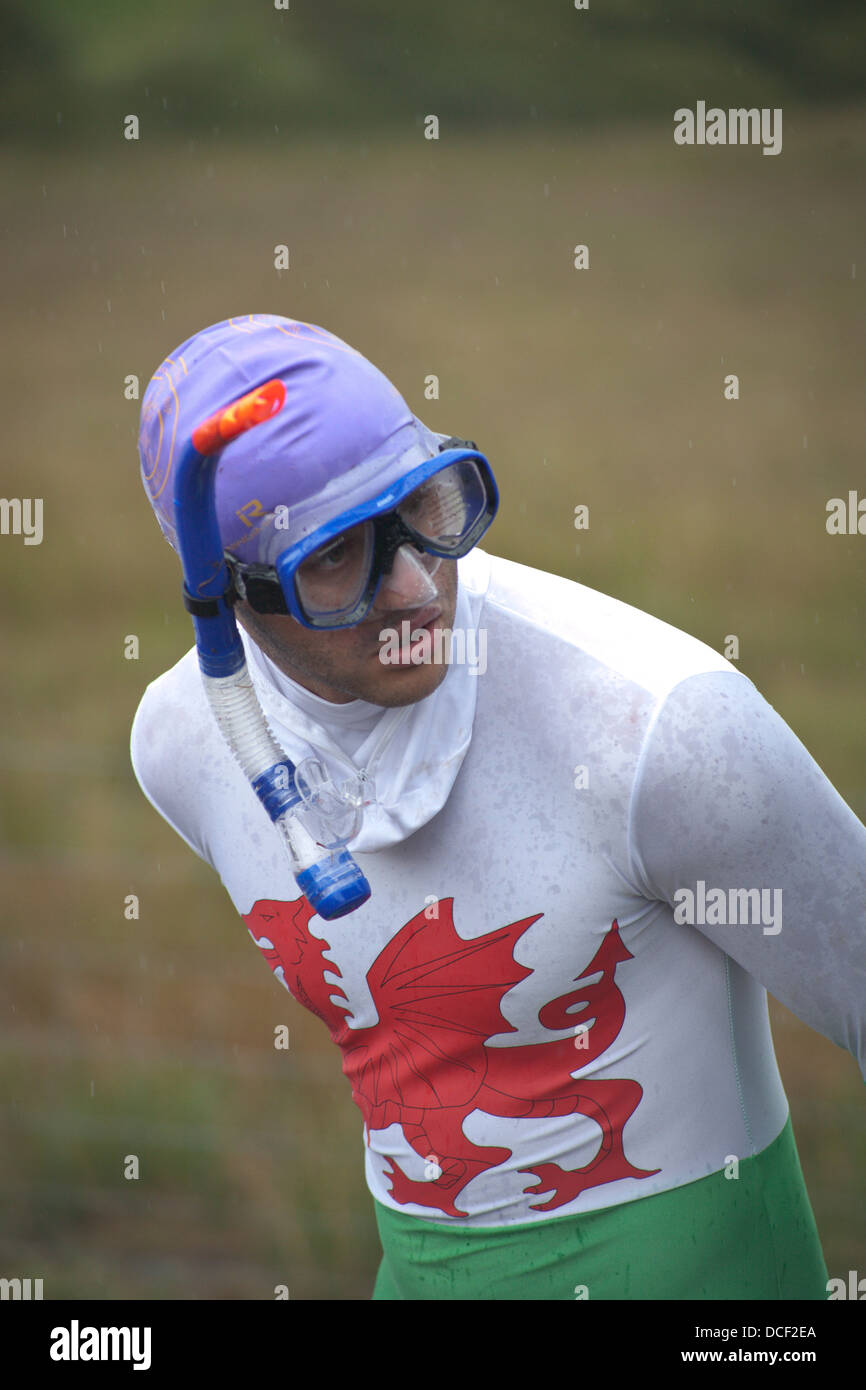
(409, 756)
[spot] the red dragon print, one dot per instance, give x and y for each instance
(426, 1065)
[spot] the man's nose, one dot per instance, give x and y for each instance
(409, 584)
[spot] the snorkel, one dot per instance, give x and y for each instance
(315, 820)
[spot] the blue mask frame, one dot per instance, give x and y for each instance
(272, 589)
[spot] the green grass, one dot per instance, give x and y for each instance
(603, 387)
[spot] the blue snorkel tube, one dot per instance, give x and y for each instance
(324, 870)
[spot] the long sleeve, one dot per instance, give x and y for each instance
(727, 800)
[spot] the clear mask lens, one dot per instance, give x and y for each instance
(332, 581)
(445, 508)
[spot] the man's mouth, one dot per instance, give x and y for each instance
(414, 635)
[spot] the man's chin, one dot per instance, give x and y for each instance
(405, 685)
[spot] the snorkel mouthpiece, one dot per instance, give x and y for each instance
(315, 841)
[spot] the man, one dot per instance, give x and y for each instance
(589, 854)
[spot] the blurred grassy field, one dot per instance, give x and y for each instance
(605, 387)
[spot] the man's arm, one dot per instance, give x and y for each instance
(727, 797)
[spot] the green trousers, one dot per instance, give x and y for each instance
(749, 1237)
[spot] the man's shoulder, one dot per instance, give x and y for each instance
(173, 737)
(635, 645)
(173, 705)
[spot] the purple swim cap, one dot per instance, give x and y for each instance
(343, 435)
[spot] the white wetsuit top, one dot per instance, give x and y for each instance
(590, 857)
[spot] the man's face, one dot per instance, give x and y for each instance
(346, 664)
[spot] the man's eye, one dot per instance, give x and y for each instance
(334, 555)
(329, 557)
